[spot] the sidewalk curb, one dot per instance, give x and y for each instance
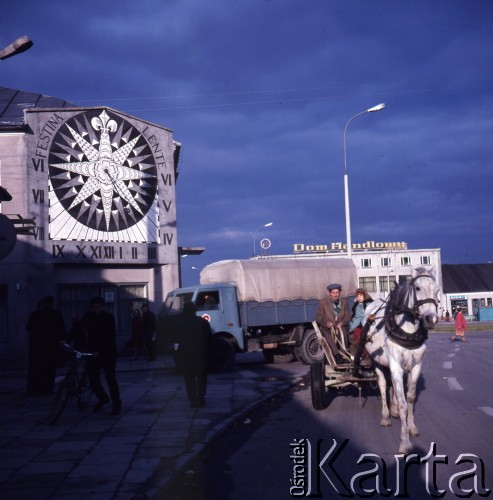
(185, 460)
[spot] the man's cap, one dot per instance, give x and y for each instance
(48, 300)
(334, 286)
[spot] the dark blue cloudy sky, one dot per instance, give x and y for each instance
(259, 92)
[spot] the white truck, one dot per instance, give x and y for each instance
(263, 303)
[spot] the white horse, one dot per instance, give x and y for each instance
(396, 339)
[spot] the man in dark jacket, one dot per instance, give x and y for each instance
(194, 337)
(99, 327)
(46, 329)
(333, 311)
(149, 330)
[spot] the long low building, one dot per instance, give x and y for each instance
(470, 287)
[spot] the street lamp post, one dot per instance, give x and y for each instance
(255, 234)
(378, 107)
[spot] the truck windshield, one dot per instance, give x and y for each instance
(174, 303)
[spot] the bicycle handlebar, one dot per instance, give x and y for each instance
(77, 354)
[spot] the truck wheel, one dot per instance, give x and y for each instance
(222, 354)
(297, 353)
(310, 348)
(317, 378)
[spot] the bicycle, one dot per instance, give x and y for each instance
(74, 385)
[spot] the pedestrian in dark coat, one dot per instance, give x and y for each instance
(99, 327)
(46, 329)
(149, 330)
(194, 337)
(138, 337)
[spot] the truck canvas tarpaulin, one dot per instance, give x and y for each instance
(265, 280)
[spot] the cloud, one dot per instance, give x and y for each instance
(259, 94)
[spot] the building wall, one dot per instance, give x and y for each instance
(469, 302)
(101, 187)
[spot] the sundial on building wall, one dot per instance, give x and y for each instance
(102, 181)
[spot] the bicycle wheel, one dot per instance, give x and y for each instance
(61, 398)
(84, 391)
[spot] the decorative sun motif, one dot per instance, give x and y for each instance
(105, 181)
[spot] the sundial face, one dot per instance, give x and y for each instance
(103, 181)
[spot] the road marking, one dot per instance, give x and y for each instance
(447, 365)
(487, 409)
(451, 355)
(453, 385)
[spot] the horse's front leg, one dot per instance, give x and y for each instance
(412, 382)
(397, 374)
(394, 405)
(382, 386)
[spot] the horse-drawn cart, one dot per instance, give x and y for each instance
(395, 334)
(326, 373)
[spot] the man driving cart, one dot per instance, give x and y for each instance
(333, 312)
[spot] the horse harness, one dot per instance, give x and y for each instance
(397, 304)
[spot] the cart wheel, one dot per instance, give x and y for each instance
(317, 376)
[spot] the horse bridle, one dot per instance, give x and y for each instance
(417, 303)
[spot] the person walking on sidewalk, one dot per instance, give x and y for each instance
(100, 329)
(194, 338)
(46, 329)
(149, 330)
(138, 337)
(460, 326)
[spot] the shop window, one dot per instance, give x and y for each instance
(369, 283)
(404, 277)
(120, 300)
(387, 283)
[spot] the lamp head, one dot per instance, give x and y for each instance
(378, 107)
(19, 45)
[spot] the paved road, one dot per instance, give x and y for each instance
(454, 413)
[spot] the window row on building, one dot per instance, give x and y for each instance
(399, 260)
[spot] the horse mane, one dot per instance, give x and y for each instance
(401, 301)
(399, 298)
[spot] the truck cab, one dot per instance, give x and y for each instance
(217, 304)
